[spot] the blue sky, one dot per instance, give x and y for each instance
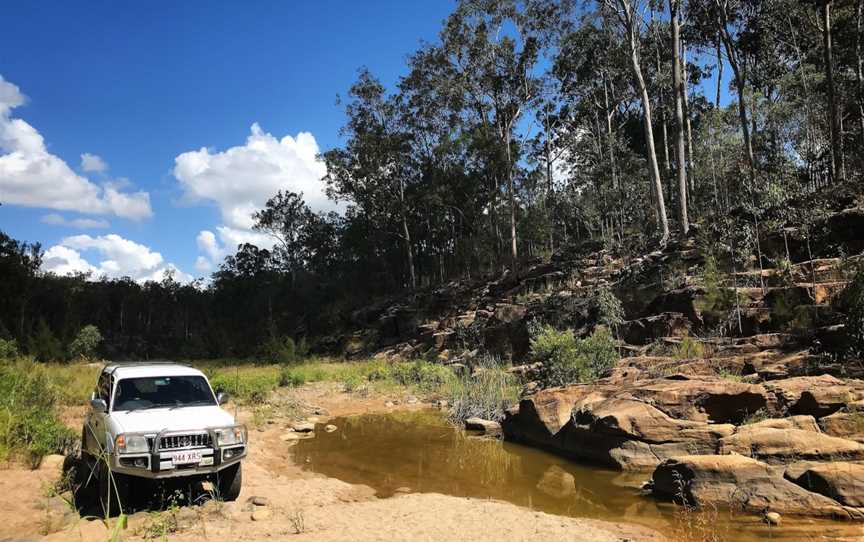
(139, 84)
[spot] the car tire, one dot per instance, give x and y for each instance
(113, 491)
(229, 481)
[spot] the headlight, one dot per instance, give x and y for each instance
(231, 436)
(132, 444)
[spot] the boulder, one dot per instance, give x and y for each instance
(817, 396)
(645, 330)
(487, 427)
(841, 481)
(784, 445)
(303, 427)
(738, 481)
(805, 423)
(710, 399)
(557, 483)
(848, 425)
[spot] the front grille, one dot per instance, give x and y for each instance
(177, 442)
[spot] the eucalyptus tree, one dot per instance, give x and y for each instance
(370, 171)
(629, 16)
(679, 93)
(493, 51)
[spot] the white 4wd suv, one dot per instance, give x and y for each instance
(157, 421)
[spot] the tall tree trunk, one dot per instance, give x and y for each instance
(630, 23)
(837, 166)
(859, 66)
(661, 104)
(406, 235)
(691, 158)
(679, 115)
(514, 254)
(740, 84)
(719, 72)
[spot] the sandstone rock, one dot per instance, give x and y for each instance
(257, 500)
(411, 400)
(805, 423)
(486, 426)
(292, 435)
(849, 425)
(52, 463)
(841, 481)
(644, 330)
(557, 483)
(817, 396)
(303, 427)
(704, 399)
(783, 445)
(262, 513)
(734, 480)
(330, 428)
(772, 518)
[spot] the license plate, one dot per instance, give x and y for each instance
(186, 458)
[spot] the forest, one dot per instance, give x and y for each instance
(527, 127)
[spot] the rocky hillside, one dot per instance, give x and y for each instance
(728, 388)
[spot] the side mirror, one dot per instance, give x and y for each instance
(222, 397)
(98, 404)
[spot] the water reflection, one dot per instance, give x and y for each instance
(419, 452)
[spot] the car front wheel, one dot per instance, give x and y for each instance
(229, 481)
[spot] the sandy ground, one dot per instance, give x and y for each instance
(299, 505)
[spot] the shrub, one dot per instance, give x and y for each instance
(281, 350)
(44, 346)
(86, 342)
(291, 378)
(486, 394)
(688, 348)
(567, 360)
(8, 348)
(851, 303)
(253, 386)
(610, 311)
(29, 425)
(427, 376)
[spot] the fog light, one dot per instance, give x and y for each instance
(228, 454)
(141, 462)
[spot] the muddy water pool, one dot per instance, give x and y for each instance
(420, 452)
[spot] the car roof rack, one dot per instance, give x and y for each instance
(114, 365)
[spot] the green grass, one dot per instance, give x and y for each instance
(486, 394)
(29, 425)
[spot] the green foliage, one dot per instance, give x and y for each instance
(568, 360)
(281, 350)
(246, 386)
(609, 310)
(86, 342)
(29, 425)
(717, 298)
(425, 375)
(43, 345)
(688, 348)
(487, 393)
(851, 303)
(290, 377)
(8, 348)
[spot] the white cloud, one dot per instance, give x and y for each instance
(120, 258)
(33, 177)
(93, 162)
(241, 179)
(80, 223)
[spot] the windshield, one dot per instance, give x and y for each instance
(162, 391)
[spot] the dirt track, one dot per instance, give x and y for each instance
(299, 505)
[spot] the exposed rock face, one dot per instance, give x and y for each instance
(817, 396)
(841, 481)
(644, 330)
(785, 445)
(738, 481)
(849, 425)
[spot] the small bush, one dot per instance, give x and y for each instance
(423, 374)
(29, 426)
(253, 386)
(352, 382)
(688, 348)
(568, 360)
(291, 378)
(8, 348)
(44, 346)
(486, 394)
(86, 342)
(851, 303)
(609, 310)
(281, 350)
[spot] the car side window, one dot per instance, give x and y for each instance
(103, 388)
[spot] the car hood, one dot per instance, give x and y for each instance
(179, 419)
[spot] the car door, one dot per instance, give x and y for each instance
(96, 421)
